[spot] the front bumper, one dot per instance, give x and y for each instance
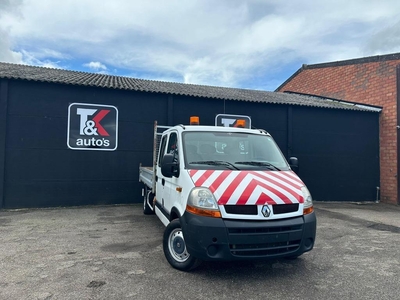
(223, 240)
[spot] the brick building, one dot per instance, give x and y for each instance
(369, 80)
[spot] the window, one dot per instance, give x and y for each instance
(245, 151)
(173, 146)
(162, 149)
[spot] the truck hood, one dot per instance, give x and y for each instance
(250, 187)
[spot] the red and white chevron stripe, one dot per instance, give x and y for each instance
(250, 187)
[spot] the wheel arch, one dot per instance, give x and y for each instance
(175, 214)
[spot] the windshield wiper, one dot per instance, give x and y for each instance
(215, 163)
(258, 163)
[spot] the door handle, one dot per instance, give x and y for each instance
(163, 181)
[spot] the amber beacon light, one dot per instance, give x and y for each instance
(194, 120)
(240, 123)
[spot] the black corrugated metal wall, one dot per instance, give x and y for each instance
(337, 149)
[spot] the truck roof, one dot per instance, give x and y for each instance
(185, 128)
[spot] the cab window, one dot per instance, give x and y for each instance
(172, 147)
(162, 149)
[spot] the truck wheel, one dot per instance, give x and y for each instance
(148, 195)
(174, 247)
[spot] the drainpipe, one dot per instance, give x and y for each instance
(398, 133)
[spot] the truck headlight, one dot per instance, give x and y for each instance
(308, 204)
(202, 202)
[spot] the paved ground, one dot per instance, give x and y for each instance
(115, 252)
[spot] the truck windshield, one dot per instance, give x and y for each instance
(233, 151)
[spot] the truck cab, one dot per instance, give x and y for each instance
(228, 193)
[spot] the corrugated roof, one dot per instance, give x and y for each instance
(33, 73)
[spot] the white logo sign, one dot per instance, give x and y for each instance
(92, 127)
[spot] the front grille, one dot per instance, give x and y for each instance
(285, 208)
(241, 209)
(263, 239)
(267, 249)
(251, 210)
(279, 229)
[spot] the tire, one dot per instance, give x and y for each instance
(175, 248)
(146, 208)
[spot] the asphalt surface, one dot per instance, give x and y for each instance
(115, 252)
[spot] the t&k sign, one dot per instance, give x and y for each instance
(92, 127)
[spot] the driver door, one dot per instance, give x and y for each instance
(166, 186)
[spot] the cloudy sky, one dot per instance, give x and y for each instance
(254, 44)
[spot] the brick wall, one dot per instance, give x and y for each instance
(363, 82)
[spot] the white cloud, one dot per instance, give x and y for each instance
(386, 39)
(6, 54)
(96, 66)
(41, 59)
(8, 7)
(225, 42)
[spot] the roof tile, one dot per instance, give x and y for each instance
(25, 72)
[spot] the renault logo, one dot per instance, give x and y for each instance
(266, 211)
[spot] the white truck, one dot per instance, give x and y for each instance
(225, 194)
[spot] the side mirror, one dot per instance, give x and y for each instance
(294, 164)
(169, 167)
